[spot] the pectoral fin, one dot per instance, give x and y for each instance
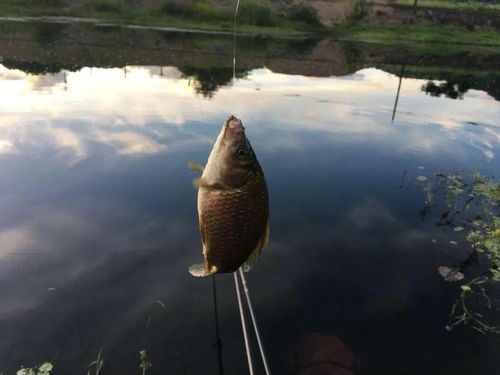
(195, 166)
(252, 259)
(197, 182)
(201, 182)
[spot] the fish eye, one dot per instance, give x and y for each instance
(244, 153)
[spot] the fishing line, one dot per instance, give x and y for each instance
(234, 39)
(254, 322)
(243, 325)
(218, 342)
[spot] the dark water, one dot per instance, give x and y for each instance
(98, 218)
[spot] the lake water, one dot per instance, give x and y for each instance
(98, 220)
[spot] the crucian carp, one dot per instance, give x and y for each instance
(233, 204)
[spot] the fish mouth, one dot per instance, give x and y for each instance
(233, 128)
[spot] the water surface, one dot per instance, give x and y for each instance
(98, 219)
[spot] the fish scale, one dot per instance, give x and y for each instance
(229, 229)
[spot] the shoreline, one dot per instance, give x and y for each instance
(355, 32)
(368, 28)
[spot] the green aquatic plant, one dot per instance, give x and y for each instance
(145, 363)
(44, 369)
(472, 207)
(96, 365)
(476, 295)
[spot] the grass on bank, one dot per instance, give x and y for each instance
(449, 4)
(254, 16)
(417, 33)
(30, 7)
(203, 14)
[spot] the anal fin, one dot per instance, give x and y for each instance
(198, 270)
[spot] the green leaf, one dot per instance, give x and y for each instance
(45, 368)
(458, 229)
(454, 242)
(465, 288)
(422, 178)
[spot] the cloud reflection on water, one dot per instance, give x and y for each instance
(95, 197)
(135, 111)
(114, 107)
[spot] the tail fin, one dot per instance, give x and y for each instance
(198, 270)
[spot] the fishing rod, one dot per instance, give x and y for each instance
(218, 343)
(254, 322)
(243, 325)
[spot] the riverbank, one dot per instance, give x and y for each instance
(375, 23)
(447, 4)
(442, 34)
(254, 17)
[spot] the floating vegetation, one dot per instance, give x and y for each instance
(145, 363)
(472, 207)
(43, 369)
(96, 365)
(473, 296)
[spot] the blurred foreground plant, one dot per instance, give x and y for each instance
(145, 363)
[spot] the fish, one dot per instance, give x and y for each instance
(233, 204)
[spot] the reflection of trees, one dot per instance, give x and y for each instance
(48, 33)
(254, 46)
(33, 67)
(479, 76)
(292, 48)
(208, 80)
(449, 89)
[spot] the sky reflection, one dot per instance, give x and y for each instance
(98, 217)
(72, 112)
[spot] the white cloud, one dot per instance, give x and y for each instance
(68, 139)
(7, 147)
(129, 143)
